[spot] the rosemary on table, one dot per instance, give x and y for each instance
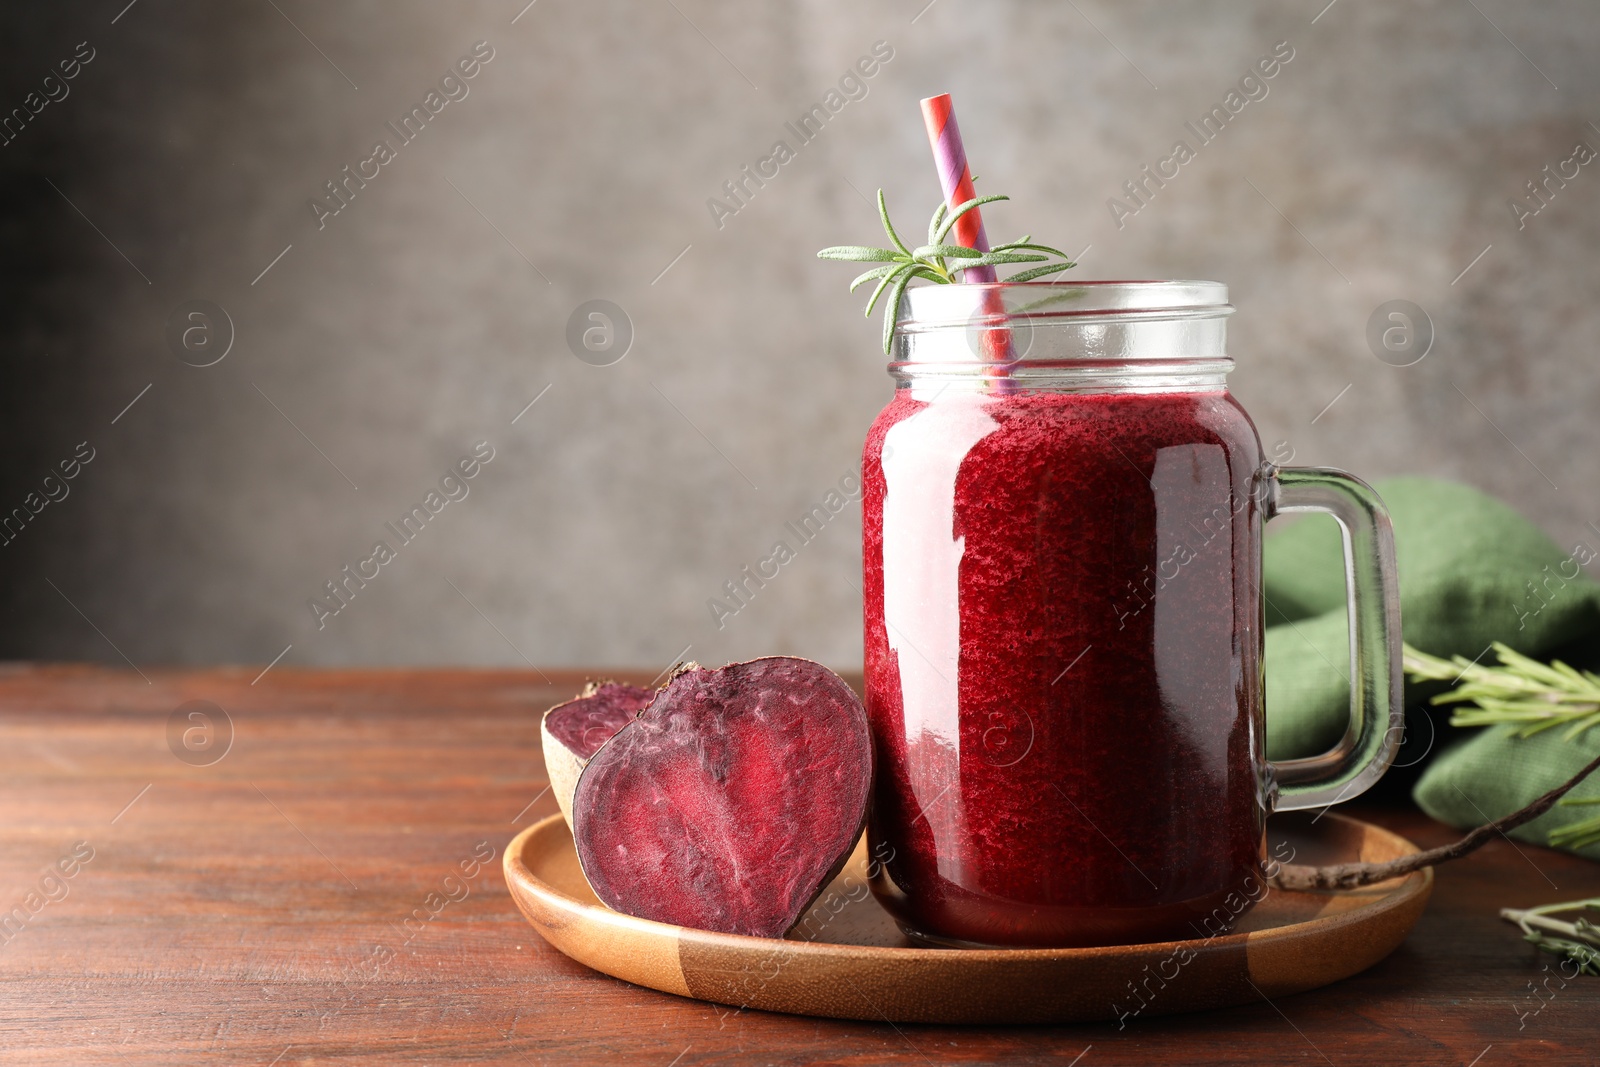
(936, 261)
(1533, 697)
(1578, 941)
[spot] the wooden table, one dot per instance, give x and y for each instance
(301, 900)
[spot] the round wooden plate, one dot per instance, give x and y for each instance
(860, 966)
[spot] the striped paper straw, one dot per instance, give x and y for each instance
(955, 178)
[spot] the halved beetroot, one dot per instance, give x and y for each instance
(573, 732)
(731, 801)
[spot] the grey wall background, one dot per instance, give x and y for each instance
(424, 317)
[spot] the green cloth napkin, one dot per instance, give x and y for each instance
(1472, 571)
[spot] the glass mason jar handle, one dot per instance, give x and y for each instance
(1372, 594)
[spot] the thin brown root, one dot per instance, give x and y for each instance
(1354, 875)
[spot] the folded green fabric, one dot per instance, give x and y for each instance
(1494, 774)
(1472, 571)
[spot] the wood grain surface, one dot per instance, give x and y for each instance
(324, 892)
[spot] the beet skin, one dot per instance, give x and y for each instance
(573, 732)
(731, 801)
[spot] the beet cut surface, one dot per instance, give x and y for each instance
(587, 721)
(731, 801)
(573, 732)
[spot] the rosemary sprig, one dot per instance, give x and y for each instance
(1578, 941)
(1521, 691)
(937, 261)
(1579, 834)
(1535, 697)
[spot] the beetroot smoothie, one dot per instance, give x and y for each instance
(1063, 662)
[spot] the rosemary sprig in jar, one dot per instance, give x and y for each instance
(937, 261)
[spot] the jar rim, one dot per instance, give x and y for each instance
(994, 303)
(1097, 335)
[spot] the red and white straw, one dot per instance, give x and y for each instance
(955, 179)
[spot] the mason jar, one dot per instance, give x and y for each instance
(1062, 528)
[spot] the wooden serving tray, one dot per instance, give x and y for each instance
(862, 967)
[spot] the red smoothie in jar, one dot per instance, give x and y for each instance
(1063, 651)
